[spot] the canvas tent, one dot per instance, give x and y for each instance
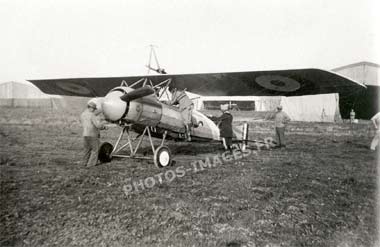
(312, 108)
(25, 94)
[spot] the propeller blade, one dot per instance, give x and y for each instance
(138, 93)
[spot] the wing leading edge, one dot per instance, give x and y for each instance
(255, 83)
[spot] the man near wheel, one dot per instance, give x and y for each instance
(92, 124)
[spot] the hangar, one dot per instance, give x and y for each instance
(25, 94)
(365, 103)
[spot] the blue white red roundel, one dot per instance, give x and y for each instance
(278, 83)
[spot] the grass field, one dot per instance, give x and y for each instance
(320, 191)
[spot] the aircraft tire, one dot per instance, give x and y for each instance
(105, 151)
(162, 157)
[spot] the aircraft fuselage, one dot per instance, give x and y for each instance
(149, 111)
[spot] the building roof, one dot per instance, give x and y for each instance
(22, 89)
(364, 72)
(365, 63)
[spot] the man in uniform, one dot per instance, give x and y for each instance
(185, 106)
(92, 124)
(280, 121)
(225, 126)
(376, 123)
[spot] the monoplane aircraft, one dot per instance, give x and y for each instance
(134, 104)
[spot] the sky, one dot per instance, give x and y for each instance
(77, 38)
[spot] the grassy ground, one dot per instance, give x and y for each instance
(318, 192)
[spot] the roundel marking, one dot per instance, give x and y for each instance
(278, 83)
(72, 87)
(138, 108)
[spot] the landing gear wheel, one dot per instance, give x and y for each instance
(162, 157)
(105, 151)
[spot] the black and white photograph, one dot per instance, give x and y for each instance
(190, 123)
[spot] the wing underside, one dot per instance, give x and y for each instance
(256, 83)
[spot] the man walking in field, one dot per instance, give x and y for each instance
(92, 124)
(280, 121)
(376, 123)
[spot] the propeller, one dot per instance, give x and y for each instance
(116, 103)
(138, 93)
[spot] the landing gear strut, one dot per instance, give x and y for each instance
(161, 155)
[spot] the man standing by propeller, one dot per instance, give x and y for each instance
(92, 124)
(185, 106)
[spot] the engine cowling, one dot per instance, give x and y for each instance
(135, 106)
(113, 107)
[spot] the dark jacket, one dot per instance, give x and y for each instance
(225, 124)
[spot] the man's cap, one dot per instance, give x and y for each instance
(91, 104)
